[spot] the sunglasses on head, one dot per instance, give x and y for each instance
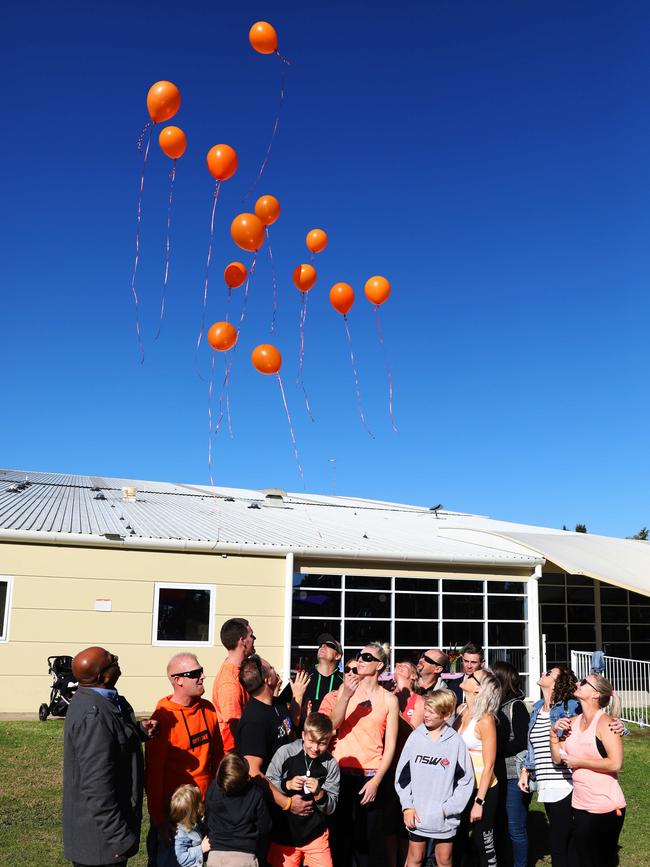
(195, 674)
(472, 677)
(329, 644)
(432, 661)
(585, 682)
(367, 657)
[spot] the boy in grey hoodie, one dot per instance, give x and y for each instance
(434, 780)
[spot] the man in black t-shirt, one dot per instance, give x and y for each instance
(265, 723)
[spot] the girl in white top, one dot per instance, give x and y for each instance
(476, 724)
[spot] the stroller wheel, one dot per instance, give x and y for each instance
(43, 712)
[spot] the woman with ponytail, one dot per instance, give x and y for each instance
(595, 755)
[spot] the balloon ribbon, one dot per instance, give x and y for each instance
(293, 437)
(172, 178)
(246, 287)
(210, 389)
(274, 280)
(275, 129)
(390, 375)
(207, 264)
(148, 127)
(299, 379)
(356, 378)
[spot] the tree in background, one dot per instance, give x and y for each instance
(581, 528)
(642, 535)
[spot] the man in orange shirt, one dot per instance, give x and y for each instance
(188, 749)
(228, 695)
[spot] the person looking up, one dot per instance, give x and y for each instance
(228, 695)
(431, 665)
(411, 705)
(188, 750)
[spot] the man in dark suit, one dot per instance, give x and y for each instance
(103, 772)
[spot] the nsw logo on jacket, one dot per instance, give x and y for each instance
(430, 760)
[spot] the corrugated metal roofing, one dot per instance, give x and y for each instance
(40, 503)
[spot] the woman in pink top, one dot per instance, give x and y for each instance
(411, 705)
(365, 717)
(595, 755)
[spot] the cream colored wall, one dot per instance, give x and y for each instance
(53, 613)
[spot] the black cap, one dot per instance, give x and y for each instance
(326, 636)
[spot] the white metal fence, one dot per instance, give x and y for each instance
(630, 679)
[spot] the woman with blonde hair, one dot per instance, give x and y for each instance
(411, 705)
(476, 724)
(595, 755)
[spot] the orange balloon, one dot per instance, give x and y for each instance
(247, 232)
(316, 240)
(172, 141)
(342, 297)
(377, 289)
(263, 38)
(267, 209)
(234, 274)
(304, 276)
(222, 336)
(266, 358)
(163, 101)
(222, 162)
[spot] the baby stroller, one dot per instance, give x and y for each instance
(63, 687)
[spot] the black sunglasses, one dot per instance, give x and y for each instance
(367, 657)
(586, 682)
(472, 677)
(349, 670)
(329, 644)
(110, 664)
(431, 661)
(195, 674)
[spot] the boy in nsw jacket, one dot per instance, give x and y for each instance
(434, 780)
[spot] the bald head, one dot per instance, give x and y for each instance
(95, 666)
(181, 662)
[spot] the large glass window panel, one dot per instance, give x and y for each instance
(553, 613)
(506, 634)
(430, 585)
(325, 581)
(506, 608)
(640, 614)
(359, 632)
(581, 633)
(317, 603)
(363, 582)
(416, 606)
(619, 632)
(554, 632)
(420, 635)
(367, 604)
(406, 654)
(622, 650)
(450, 585)
(579, 581)
(552, 594)
(638, 599)
(462, 607)
(639, 633)
(302, 659)
(641, 652)
(307, 631)
(580, 595)
(183, 615)
(506, 587)
(612, 595)
(552, 579)
(613, 613)
(517, 657)
(581, 614)
(460, 634)
(556, 654)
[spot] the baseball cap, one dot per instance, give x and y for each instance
(326, 636)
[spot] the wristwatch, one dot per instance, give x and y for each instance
(479, 801)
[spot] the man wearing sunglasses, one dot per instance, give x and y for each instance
(324, 677)
(102, 765)
(431, 665)
(188, 749)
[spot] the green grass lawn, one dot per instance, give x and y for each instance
(31, 756)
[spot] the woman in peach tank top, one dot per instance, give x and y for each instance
(595, 754)
(365, 717)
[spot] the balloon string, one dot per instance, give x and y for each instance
(273, 134)
(172, 178)
(140, 141)
(149, 127)
(246, 287)
(388, 370)
(283, 59)
(210, 389)
(230, 433)
(299, 379)
(224, 391)
(274, 280)
(207, 264)
(356, 378)
(293, 438)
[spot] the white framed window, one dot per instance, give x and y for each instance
(6, 587)
(183, 615)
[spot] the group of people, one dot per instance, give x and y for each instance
(342, 768)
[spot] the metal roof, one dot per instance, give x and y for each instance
(88, 509)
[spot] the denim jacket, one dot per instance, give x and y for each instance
(570, 707)
(187, 847)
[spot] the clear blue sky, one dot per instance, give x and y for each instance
(490, 159)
